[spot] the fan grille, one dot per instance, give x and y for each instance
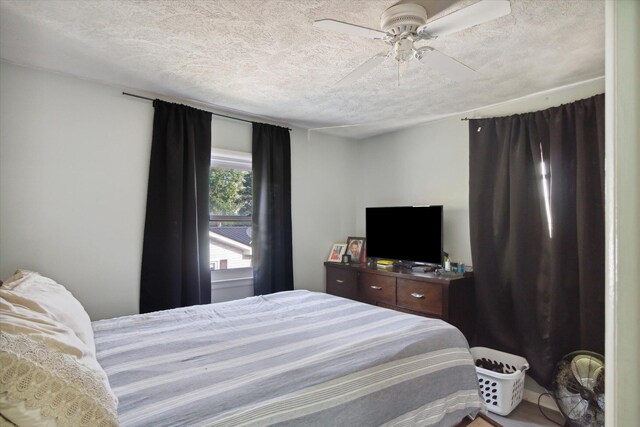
(578, 388)
(403, 18)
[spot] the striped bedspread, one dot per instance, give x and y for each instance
(290, 359)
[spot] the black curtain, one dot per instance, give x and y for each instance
(271, 232)
(175, 254)
(536, 200)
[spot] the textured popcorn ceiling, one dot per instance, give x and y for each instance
(264, 57)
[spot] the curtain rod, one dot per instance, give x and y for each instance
(215, 114)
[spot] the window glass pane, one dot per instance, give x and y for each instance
(230, 192)
(229, 244)
(230, 207)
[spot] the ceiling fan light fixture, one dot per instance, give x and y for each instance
(403, 18)
(419, 52)
(403, 50)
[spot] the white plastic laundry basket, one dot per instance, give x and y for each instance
(501, 391)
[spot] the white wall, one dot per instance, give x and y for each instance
(228, 134)
(429, 164)
(73, 175)
(74, 159)
(325, 185)
(418, 166)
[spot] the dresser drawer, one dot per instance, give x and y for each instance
(342, 283)
(420, 296)
(376, 288)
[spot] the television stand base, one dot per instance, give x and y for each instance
(410, 266)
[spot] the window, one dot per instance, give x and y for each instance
(230, 208)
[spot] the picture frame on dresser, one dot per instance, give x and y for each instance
(337, 250)
(356, 249)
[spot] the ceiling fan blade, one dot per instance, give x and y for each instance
(345, 28)
(478, 13)
(363, 69)
(447, 66)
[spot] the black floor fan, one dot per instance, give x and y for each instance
(578, 389)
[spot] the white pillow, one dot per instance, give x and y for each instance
(47, 374)
(44, 295)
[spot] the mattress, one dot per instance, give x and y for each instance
(294, 358)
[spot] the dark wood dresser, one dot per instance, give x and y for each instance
(448, 298)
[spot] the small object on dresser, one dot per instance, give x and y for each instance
(346, 259)
(355, 248)
(337, 250)
(384, 264)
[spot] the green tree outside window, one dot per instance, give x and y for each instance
(230, 192)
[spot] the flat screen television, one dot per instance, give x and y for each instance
(411, 234)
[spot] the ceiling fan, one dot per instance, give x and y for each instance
(404, 26)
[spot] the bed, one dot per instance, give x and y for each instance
(294, 358)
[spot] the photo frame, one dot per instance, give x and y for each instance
(356, 247)
(337, 250)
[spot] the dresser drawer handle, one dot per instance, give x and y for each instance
(339, 281)
(415, 295)
(377, 288)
